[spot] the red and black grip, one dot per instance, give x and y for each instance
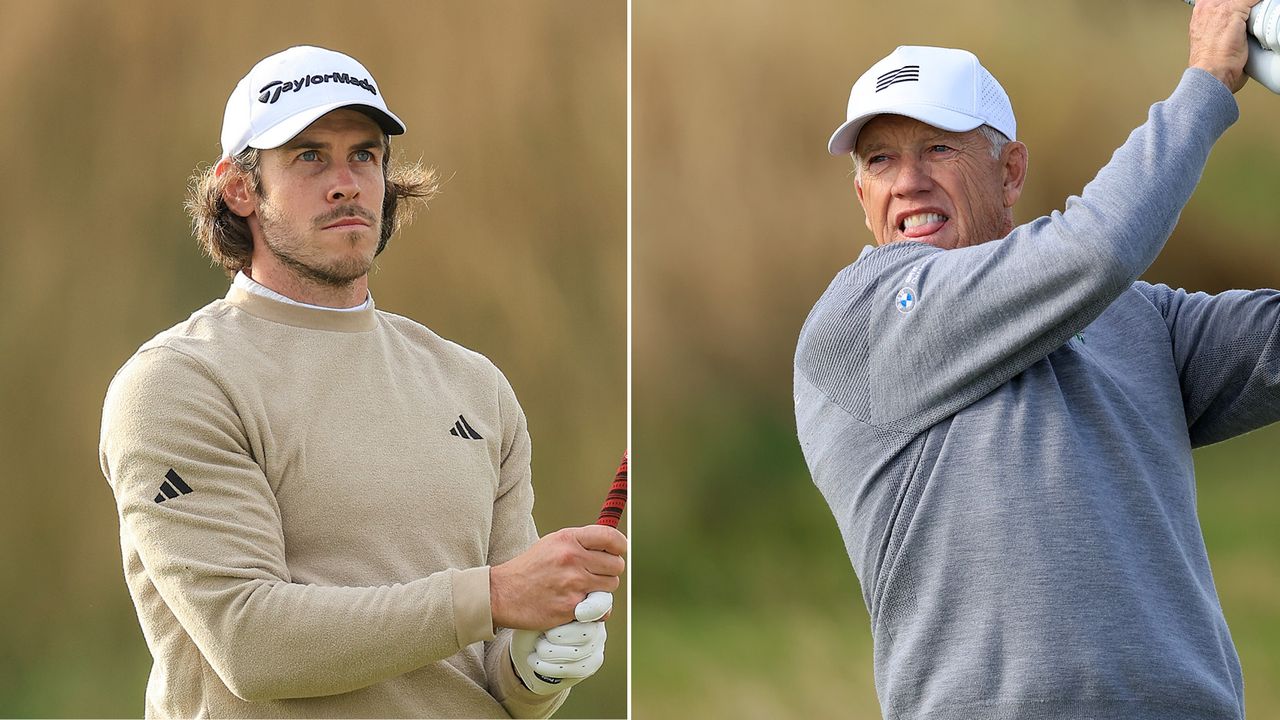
(616, 501)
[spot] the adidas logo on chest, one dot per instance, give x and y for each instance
(462, 429)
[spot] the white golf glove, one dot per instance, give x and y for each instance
(561, 657)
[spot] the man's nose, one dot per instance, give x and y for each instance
(912, 177)
(344, 185)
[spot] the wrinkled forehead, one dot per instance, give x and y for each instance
(888, 130)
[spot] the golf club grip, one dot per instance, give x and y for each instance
(1263, 65)
(523, 644)
(616, 501)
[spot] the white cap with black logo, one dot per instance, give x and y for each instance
(942, 87)
(286, 92)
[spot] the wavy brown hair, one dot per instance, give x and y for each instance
(224, 236)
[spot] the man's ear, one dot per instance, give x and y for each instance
(1014, 159)
(238, 195)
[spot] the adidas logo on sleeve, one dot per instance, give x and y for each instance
(172, 487)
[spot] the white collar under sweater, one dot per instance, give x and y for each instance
(248, 284)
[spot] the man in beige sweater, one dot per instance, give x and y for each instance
(325, 509)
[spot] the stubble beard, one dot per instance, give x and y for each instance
(284, 243)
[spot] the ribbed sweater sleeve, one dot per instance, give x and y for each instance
(219, 564)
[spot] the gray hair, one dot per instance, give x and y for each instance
(994, 137)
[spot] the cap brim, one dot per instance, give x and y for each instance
(284, 131)
(845, 137)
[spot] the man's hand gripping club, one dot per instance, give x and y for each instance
(544, 587)
(1222, 40)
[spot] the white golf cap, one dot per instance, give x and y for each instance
(286, 92)
(942, 87)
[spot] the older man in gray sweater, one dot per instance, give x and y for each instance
(1002, 418)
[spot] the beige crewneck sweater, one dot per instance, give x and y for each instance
(307, 520)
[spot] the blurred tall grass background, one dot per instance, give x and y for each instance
(745, 604)
(108, 107)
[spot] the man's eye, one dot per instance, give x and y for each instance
(364, 156)
(875, 159)
(309, 156)
(940, 148)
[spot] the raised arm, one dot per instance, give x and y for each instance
(910, 334)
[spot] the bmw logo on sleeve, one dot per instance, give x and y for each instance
(906, 300)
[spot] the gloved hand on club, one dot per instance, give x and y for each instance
(563, 656)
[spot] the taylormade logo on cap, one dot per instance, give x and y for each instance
(942, 87)
(288, 91)
(271, 91)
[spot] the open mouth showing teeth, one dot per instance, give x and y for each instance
(915, 221)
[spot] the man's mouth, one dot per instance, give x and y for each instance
(922, 224)
(347, 222)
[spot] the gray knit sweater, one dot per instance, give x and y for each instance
(1004, 435)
